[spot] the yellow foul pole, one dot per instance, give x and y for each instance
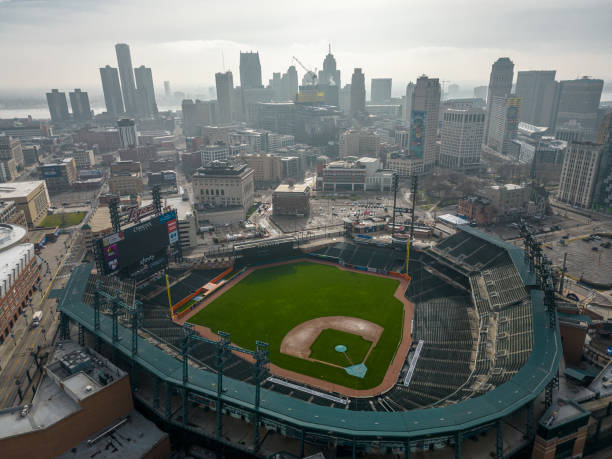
(407, 255)
(169, 298)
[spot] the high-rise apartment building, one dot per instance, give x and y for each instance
(461, 138)
(500, 85)
(380, 91)
(358, 92)
(537, 89)
(58, 106)
(344, 99)
(225, 89)
(112, 90)
(167, 90)
(127, 133)
(250, 71)
(579, 173)
(145, 91)
(126, 72)
(503, 117)
(79, 101)
(577, 109)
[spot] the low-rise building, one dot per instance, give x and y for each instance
(291, 199)
(60, 176)
(217, 152)
(579, 173)
(9, 213)
(342, 176)
(32, 198)
(267, 168)
(125, 183)
(477, 209)
(83, 158)
(223, 192)
(82, 407)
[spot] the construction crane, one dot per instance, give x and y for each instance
(308, 71)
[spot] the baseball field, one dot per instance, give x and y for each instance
(272, 304)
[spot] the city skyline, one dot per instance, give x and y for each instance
(189, 55)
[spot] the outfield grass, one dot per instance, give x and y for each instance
(324, 348)
(269, 302)
(66, 219)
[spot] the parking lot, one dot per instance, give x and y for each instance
(587, 259)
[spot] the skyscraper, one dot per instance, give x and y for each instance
(112, 90)
(225, 89)
(480, 92)
(537, 89)
(358, 92)
(500, 85)
(198, 114)
(503, 125)
(330, 75)
(289, 83)
(58, 106)
(329, 80)
(408, 101)
(145, 90)
(126, 72)
(424, 123)
(250, 70)
(380, 91)
(577, 109)
(79, 101)
(461, 138)
(167, 90)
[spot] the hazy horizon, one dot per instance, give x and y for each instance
(62, 44)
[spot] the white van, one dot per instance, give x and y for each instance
(37, 318)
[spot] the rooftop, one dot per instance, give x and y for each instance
(295, 188)
(10, 235)
(602, 384)
(9, 259)
(60, 391)
(19, 189)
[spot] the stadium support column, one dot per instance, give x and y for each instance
(115, 306)
(113, 208)
(458, 440)
(187, 331)
(262, 359)
(156, 393)
(157, 199)
(168, 411)
(407, 446)
(302, 443)
(97, 308)
(530, 421)
(563, 271)
(64, 326)
(499, 444)
(222, 344)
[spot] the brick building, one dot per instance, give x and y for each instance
(291, 199)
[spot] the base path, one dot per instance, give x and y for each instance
(299, 339)
(392, 371)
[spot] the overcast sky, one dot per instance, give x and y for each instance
(62, 43)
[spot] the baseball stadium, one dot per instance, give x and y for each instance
(347, 348)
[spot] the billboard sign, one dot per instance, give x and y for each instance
(417, 134)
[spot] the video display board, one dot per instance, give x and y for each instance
(140, 250)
